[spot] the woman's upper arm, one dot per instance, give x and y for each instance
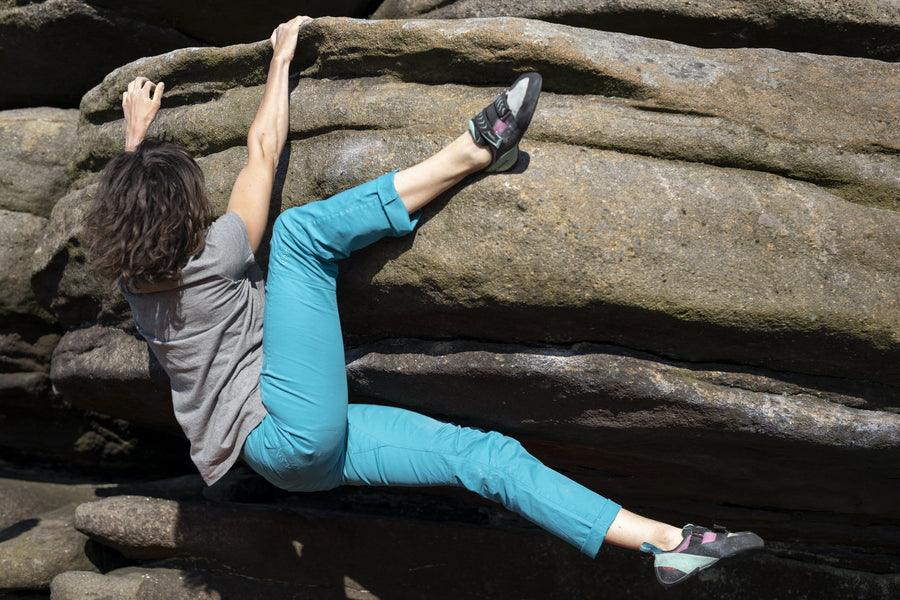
(251, 195)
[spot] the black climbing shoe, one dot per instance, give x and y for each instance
(700, 550)
(501, 125)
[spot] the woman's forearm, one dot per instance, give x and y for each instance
(269, 130)
(252, 190)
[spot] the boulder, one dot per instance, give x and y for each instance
(34, 551)
(37, 537)
(684, 296)
(23, 496)
(35, 152)
(313, 544)
(76, 43)
(134, 385)
(848, 27)
(581, 408)
(27, 334)
(418, 556)
(693, 255)
(20, 234)
(236, 22)
(62, 280)
(136, 583)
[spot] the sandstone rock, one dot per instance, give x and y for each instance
(330, 552)
(20, 234)
(732, 208)
(708, 264)
(134, 583)
(235, 22)
(622, 125)
(89, 585)
(34, 551)
(72, 41)
(774, 575)
(37, 537)
(562, 390)
(26, 346)
(27, 335)
(114, 382)
(848, 27)
(134, 386)
(82, 440)
(804, 98)
(580, 409)
(684, 260)
(35, 152)
(62, 280)
(21, 499)
(687, 260)
(668, 100)
(22, 389)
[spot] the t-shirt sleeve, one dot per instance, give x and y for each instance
(228, 247)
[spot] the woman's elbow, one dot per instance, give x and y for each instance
(266, 146)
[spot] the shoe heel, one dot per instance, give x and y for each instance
(505, 162)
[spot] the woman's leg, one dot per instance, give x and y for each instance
(422, 183)
(301, 442)
(396, 447)
(630, 530)
(311, 440)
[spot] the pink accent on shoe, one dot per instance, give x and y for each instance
(708, 537)
(683, 546)
(500, 127)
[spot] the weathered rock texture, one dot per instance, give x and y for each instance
(53, 51)
(867, 28)
(35, 151)
(684, 296)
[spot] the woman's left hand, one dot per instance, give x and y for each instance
(140, 109)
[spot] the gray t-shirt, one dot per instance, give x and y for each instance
(206, 331)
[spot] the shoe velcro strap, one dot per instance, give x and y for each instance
(493, 121)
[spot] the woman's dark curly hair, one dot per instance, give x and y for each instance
(150, 214)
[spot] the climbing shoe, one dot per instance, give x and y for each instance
(701, 549)
(501, 125)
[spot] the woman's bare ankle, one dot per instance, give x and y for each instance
(479, 157)
(669, 539)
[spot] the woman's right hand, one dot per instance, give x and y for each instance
(140, 109)
(284, 38)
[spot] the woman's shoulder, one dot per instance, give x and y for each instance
(227, 251)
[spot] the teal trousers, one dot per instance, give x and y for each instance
(312, 439)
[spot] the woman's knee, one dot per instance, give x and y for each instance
(297, 463)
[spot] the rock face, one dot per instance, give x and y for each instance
(38, 540)
(83, 33)
(35, 150)
(684, 296)
(845, 27)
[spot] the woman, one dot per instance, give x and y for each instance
(280, 399)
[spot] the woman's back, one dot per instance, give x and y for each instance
(206, 330)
